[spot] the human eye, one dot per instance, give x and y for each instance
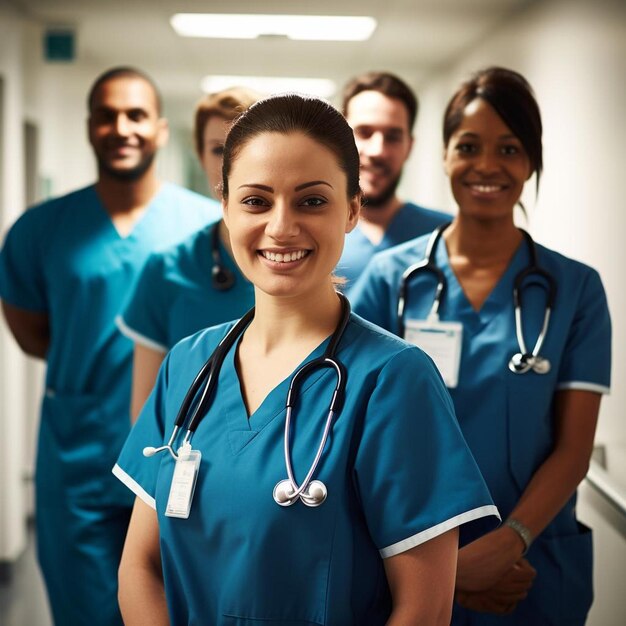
(465, 147)
(217, 151)
(363, 132)
(313, 202)
(137, 115)
(510, 149)
(255, 203)
(104, 116)
(393, 137)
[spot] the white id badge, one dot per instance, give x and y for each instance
(442, 342)
(183, 483)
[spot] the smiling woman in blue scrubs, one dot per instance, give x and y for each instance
(194, 284)
(381, 549)
(532, 432)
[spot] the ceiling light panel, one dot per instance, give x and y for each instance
(299, 27)
(321, 87)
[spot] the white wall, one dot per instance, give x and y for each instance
(12, 365)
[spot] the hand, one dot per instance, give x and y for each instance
(503, 597)
(484, 562)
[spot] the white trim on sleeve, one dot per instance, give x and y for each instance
(438, 529)
(584, 386)
(134, 486)
(126, 330)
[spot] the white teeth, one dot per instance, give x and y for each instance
(487, 188)
(286, 257)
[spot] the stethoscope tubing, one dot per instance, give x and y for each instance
(206, 380)
(522, 361)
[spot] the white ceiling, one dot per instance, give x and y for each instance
(413, 38)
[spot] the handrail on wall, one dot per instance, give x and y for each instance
(606, 486)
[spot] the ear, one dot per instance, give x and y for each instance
(225, 212)
(445, 161)
(410, 148)
(354, 210)
(163, 132)
(89, 133)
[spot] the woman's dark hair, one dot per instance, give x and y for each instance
(512, 98)
(292, 113)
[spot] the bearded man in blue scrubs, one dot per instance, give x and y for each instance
(381, 109)
(67, 268)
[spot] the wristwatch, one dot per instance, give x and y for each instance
(522, 531)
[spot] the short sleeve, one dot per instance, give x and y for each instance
(371, 296)
(138, 472)
(144, 319)
(22, 280)
(414, 473)
(586, 361)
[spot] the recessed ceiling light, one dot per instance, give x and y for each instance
(247, 26)
(321, 87)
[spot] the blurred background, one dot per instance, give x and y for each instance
(573, 52)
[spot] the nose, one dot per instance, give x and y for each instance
(282, 222)
(122, 126)
(487, 163)
(374, 145)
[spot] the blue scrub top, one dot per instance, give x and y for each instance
(397, 469)
(507, 418)
(66, 259)
(175, 297)
(409, 222)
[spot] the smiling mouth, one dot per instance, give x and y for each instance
(486, 188)
(284, 257)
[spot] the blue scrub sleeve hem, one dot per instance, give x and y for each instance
(137, 337)
(439, 529)
(134, 486)
(584, 386)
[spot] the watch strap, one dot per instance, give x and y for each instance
(523, 532)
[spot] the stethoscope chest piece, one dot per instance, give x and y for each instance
(522, 363)
(285, 494)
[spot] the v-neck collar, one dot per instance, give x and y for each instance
(501, 294)
(137, 226)
(243, 428)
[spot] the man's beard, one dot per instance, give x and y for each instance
(126, 175)
(380, 200)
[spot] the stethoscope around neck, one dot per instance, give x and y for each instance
(286, 492)
(521, 362)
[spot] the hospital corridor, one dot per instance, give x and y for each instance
(312, 313)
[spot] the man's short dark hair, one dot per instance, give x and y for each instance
(122, 72)
(387, 84)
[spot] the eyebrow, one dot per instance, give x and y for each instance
(298, 188)
(471, 134)
(103, 108)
